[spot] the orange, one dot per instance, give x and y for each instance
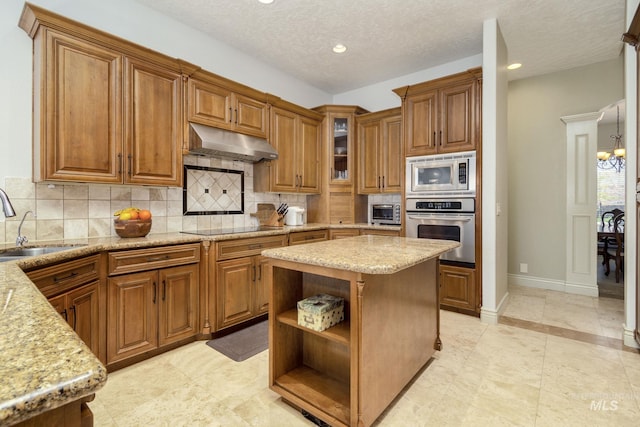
(144, 214)
(134, 214)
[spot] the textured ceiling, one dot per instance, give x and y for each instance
(391, 38)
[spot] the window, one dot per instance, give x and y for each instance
(610, 191)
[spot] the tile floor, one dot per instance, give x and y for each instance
(538, 367)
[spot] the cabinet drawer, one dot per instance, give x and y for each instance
(229, 249)
(152, 258)
(308, 237)
(62, 277)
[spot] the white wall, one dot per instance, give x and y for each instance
(495, 212)
(631, 221)
(537, 161)
(379, 96)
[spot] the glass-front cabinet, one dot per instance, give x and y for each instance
(341, 150)
(340, 139)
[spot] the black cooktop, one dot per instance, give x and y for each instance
(220, 231)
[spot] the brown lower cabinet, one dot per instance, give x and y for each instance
(80, 308)
(240, 291)
(147, 310)
(72, 288)
(458, 290)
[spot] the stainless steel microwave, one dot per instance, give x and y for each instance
(441, 175)
(386, 214)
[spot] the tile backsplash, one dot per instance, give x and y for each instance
(76, 211)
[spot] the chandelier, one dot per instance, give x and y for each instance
(616, 161)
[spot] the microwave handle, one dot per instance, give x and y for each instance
(442, 218)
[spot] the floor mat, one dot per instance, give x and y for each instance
(244, 343)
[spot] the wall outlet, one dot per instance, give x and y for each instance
(524, 267)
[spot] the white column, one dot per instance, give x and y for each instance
(581, 234)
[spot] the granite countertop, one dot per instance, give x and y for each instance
(365, 254)
(43, 363)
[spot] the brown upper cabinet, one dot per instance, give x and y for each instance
(105, 110)
(443, 115)
(222, 103)
(380, 152)
(295, 134)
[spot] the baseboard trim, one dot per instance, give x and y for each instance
(492, 317)
(628, 338)
(553, 285)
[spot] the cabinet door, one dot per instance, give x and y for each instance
(59, 303)
(341, 208)
(341, 150)
(234, 291)
(284, 171)
(79, 116)
(251, 116)
(209, 104)
(369, 152)
(262, 291)
(153, 152)
(178, 296)
(420, 133)
(457, 117)
(308, 155)
(132, 316)
(392, 158)
(458, 287)
(83, 309)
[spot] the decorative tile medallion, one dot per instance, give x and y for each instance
(212, 191)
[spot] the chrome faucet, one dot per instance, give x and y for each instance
(6, 204)
(21, 240)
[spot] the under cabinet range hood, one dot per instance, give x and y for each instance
(213, 142)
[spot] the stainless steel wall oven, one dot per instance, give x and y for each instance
(446, 219)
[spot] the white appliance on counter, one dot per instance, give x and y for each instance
(295, 216)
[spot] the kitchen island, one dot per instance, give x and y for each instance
(348, 374)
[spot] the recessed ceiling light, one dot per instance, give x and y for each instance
(266, 1)
(339, 48)
(514, 66)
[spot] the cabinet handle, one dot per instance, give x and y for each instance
(69, 276)
(378, 181)
(164, 290)
(130, 164)
(64, 314)
(434, 138)
(75, 323)
(441, 138)
(382, 181)
(230, 114)
(332, 174)
(300, 184)
(236, 116)
(154, 292)
(254, 273)
(255, 246)
(120, 164)
(260, 272)
(157, 258)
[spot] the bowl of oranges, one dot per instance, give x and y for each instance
(132, 222)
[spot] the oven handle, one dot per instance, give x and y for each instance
(443, 218)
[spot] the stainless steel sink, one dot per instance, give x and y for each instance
(17, 253)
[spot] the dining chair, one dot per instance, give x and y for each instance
(609, 216)
(617, 252)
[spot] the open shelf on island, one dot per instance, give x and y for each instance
(321, 391)
(338, 333)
